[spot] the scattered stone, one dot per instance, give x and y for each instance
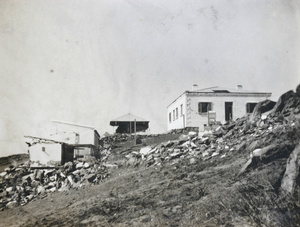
(145, 218)
(79, 165)
(204, 154)
(111, 166)
(175, 155)
(192, 160)
(69, 167)
(9, 189)
(145, 150)
(70, 179)
(53, 189)
(41, 189)
(215, 154)
(3, 174)
(29, 197)
(91, 177)
(11, 204)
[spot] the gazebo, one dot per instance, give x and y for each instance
(130, 123)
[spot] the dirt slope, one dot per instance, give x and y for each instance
(145, 196)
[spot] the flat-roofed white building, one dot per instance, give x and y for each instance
(66, 142)
(203, 107)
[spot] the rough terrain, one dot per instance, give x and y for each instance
(245, 173)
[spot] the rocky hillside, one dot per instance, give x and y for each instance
(245, 173)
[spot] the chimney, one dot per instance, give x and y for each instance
(239, 87)
(195, 87)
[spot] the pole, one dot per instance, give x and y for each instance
(134, 131)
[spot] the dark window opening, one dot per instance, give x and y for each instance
(181, 109)
(204, 107)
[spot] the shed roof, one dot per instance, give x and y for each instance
(128, 118)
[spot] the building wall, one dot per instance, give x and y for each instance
(67, 134)
(180, 120)
(44, 152)
(87, 137)
(194, 119)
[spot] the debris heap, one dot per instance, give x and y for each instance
(20, 185)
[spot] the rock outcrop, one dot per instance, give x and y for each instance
(291, 179)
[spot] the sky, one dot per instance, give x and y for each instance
(91, 61)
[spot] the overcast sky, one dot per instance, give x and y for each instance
(91, 61)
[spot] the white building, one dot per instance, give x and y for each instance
(47, 151)
(85, 139)
(66, 142)
(204, 107)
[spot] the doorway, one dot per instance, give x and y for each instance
(228, 111)
(67, 153)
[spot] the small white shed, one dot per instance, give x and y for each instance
(47, 151)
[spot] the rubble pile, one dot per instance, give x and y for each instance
(241, 135)
(20, 185)
(109, 142)
(116, 138)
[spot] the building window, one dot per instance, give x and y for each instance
(173, 115)
(181, 110)
(250, 107)
(176, 113)
(170, 117)
(43, 149)
(204, 107)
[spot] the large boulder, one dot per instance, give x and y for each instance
(267, 154)
(263, 107)
(289, 180)
(282, 101)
